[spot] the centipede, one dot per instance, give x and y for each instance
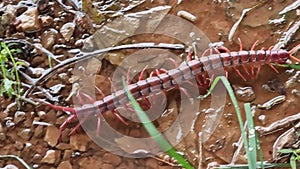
(186, 71)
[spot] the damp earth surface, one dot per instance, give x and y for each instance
(51, 32)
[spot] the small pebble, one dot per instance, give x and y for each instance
(25, 134)
(19, 145)
(79, 142)
(262, 119)
(107, 166)
(2, 137)
(89, 162)
(9, 124)
(111, 159)
(37, 158)
(52, 135)
(10, 166)
(41, 114)
(38, 131)
(65, 165)
(19, 116)
(51, 157)
(186, 15)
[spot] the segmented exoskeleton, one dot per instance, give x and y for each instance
(183, 73)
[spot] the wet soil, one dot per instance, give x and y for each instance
(32, 132)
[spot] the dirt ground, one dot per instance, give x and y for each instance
(58, 29)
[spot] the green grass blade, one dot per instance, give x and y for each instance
(245, 166)
(293, 162)
(259, 152)
(292, 66)
(233, 100)
(8, 52)
(49, 61)
(251, 151)
(162, 142)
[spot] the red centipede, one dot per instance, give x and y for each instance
(174, 77)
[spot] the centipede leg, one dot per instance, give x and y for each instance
(67, 121)
(114, 89)
(79, 96)
(59, 108)
(190, 54)
(241, 45)
(78, 125)
(119, 117)
(173, 62)
(98, 124)
(100, 91)
(241, 48)
(258, 70)
(184, 92)
(273, 68)
(239, 73)
(142, 73)
(253, 66)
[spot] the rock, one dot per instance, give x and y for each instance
(29, 21)
(19, 145)
(64, 77)
(38, 131)
(2, 137)
(122, 166)
(19, 116)
(51, 157)
(37, 158)
(115, 58)
(65, 165)
(67, 30)
(79, 141)
(25, 133)
(63, 146)
(49, 38)
(46, 20)
(111, 159)
(36, 72)
(93, 66)
(52, 135)
(135, 133)
(43, 6)
(41, 114)
(8, 16)
(10, 166)
(67, 154)
(37, 60)
(90, 162)
(151, 163)
(9, 123)
(107, 166)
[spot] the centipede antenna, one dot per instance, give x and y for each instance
(240, 42)
(128, 76)
(294, 50)
(55, 107)
(100, 91)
